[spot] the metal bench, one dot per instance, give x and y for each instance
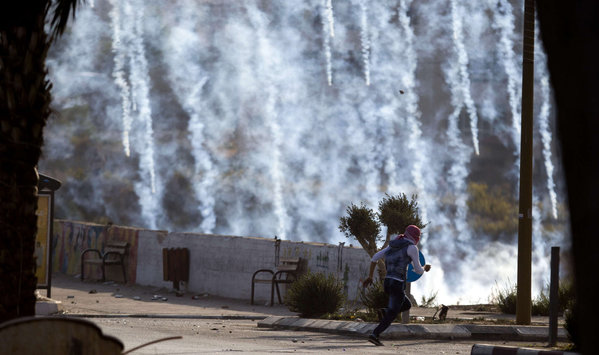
(114, 254)
(285, 273)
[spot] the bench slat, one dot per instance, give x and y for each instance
(118, 251)
(93, 261)
(287, 268)
(123, 245)
(112, 262)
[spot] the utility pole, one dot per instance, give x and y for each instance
(523, 297)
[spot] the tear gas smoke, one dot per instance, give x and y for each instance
(224, 117)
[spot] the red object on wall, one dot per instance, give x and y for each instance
(175, 265)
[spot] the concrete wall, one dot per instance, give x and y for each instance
(219, 265)
(70, 239)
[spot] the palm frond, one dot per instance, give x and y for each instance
(62, 10)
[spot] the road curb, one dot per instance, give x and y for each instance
(169, 316)
(398, 331)
(482, 349)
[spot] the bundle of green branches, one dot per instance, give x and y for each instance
(315, 294)
(374, 297)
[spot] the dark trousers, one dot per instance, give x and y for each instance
(398, 302)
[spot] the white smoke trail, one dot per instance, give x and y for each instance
(369, 158)
(327, 43)
(537, 236)
(365, 40)
(270, 121)
(188, 78)
(381, 110)
(460, 155)
(330, 17)
(276, 169)
(269, 59)
(544, 128)
(238, 85)
(120, 53)
(457, 17)
(140, 90)
(543, 240)
(448, 224)
(140, 85)
(203, 167)
(390, 167)
(414, 141)
(546, 139)
(458, 174)
(503, 20)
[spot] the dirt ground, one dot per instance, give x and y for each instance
(102, 298)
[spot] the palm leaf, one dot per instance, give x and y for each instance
(62, 10)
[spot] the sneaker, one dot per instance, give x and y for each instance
(375, 340)
(381, 313)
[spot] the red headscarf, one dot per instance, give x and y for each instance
(412, 232)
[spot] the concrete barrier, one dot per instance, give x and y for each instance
(481, 349)
(398, 331)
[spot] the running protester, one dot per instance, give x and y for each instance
(400, 252)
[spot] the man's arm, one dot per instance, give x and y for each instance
(373, 262)
(368, 281)
(414, 255)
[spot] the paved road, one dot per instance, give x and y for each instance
(204, 325)
(76, 299)
(224, 336)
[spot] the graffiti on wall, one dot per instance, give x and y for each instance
(345, 279)
(296, 251)
(71, 239)
(322, 260)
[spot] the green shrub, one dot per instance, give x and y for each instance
(566, 294)
(540, 305)
(505, 299)
(398, 212)
(360, 224)
(315, 294)
(374, 297)
(430, 301)
(490, 210)
(565, 291)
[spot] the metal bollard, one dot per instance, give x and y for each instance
(553, 296)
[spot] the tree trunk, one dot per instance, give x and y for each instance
(24, 110)
(570, 34)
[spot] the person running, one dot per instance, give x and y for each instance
(400, 252)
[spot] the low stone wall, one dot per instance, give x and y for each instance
(219, 264)
(71, 238)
